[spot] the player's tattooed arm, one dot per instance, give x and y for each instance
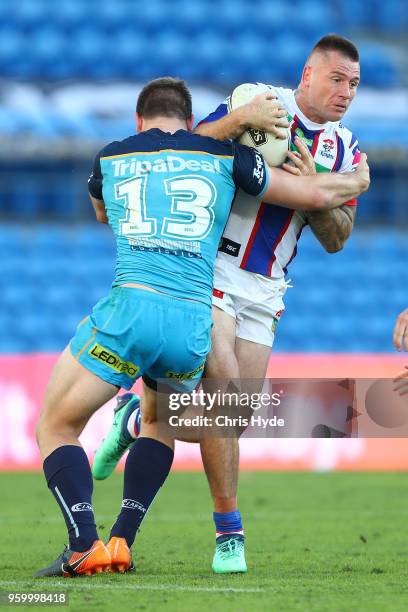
(100, 210)
(332, 227)
(262, 113)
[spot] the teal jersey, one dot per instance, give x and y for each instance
(167, 198)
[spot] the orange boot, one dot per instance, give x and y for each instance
(72, 563)
(121, 557)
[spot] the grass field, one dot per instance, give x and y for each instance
(314, 542)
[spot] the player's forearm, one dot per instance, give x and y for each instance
(313, 193)
(230, 126)
(335, 189)
(332, 227)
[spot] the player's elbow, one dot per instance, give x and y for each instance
(335, 246)
(101, 216)
(338, 241)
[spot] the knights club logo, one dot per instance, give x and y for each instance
(328, 146)
(258, 137)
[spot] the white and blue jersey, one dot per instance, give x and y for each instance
(261, 238)
(167, 198)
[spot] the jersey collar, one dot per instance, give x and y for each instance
(311, 125)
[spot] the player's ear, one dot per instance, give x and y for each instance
(139, 122)
(190, 123)
(305, 80)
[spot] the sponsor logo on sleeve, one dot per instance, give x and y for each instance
(259, 170)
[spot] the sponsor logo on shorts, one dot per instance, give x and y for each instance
(276, 319)
(113, 361)
(82, 507)
(185, 375)
(132, 504)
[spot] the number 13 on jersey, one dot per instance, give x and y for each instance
(191, 200)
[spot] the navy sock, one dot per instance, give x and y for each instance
(147, 467)
(69, 478)
(227, 523)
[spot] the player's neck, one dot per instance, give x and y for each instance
(306, 109)
(165, 124)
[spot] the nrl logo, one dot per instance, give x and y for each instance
(258, 137)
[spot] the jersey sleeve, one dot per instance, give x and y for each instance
(250, 171)
(219, 112)
(352, 156)
(95, 179)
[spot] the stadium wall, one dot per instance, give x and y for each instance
(23, 379)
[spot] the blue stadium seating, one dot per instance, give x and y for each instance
(51, 276)
(35, 192)
(89, 39)
(220, 43)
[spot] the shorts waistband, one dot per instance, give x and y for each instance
(161, 298)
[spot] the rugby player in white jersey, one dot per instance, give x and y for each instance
(258, 244)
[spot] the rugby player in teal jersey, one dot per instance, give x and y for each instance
(166, 193)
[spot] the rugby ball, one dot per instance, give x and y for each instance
(274, 150)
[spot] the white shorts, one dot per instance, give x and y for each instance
(254, 301)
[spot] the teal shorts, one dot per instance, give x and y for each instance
(134, 332)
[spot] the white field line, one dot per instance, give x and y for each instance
(37, 585)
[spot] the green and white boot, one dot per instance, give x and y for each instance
(119, 439)
(229, 554)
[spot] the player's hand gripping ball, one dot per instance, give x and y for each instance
(263, 112)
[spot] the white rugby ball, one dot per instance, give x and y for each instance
(274, 150)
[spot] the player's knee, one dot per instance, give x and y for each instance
(58, 419)
(44, 429)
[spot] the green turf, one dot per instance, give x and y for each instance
(314, 542)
